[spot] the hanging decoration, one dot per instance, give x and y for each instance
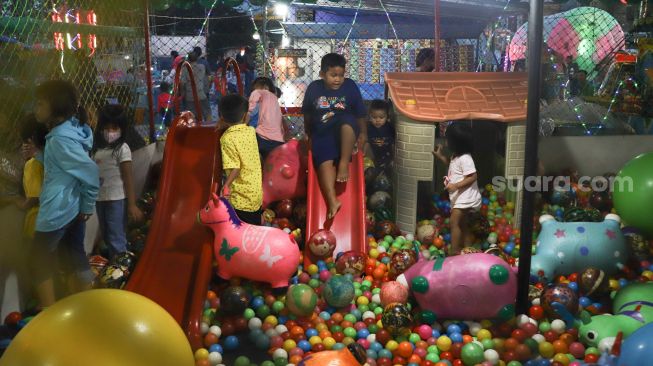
(586, 34)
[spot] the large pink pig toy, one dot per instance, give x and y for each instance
(470, 286)
(284, 173)
(257, 253)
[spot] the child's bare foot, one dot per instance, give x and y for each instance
(333, 209)
(342, 174)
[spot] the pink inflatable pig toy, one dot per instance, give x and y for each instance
(284, 173)
(470, 286)
(257, 253)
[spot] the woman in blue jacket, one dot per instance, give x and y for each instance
(70, 188)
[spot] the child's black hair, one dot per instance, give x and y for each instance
(164, 87)
(233, 108)
(114, 114)
(459, 138)
(33, 131)
(278, 92)
(332, 60)
(379, 105)
(63, 99)
(266, 82)
(423, 55)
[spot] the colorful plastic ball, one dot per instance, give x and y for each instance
(443, 343)
(472, 354)
(86, 327)
(322, 243)
(393, 291)
(230, 343)
(233, 300)
(338, 291)
(401, 260)
(301, 300)
(397, 318)
(560, 294)
(594, 282)
(350, 262)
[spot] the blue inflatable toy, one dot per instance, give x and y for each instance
(567, 247)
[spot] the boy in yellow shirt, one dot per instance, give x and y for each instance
(240, 160)
(33, 136)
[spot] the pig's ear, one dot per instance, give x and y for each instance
(215, 198)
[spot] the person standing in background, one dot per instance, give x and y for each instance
(202, 85)
(425, 60)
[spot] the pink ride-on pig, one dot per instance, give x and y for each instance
(257, 253)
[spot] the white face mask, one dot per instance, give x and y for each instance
(111, 136)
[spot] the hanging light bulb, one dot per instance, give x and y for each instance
(256, 36)
(281, 9)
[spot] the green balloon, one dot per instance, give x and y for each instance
(472, 354)
(635, 206)
(419, 284)
(499, 274)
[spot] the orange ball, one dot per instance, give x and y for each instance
(421, 344)
(325, 333)
(295, 360)
(510, 344)
(467, 338)
(438, 242)
(210, 295)
(523, 352)
(405, 349)
(202, 362)
(567, 338)
(210, 339)
(346, 324)
(415, 359)
(378, 273)
(336, 317)
(560, 346)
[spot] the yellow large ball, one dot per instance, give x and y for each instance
(101, 328)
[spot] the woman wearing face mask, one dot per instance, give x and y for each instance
(116, 200)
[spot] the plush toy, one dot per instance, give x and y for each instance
(257, 253)
(567, 247)
(636, 350)
(633, 308)
(471, 286)
(284, 173)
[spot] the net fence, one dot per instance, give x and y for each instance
(96, 44)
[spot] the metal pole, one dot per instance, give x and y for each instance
(437, 35)
(148, 71)
(264, 40)
(535, 40)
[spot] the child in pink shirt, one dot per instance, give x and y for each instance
(264, 104)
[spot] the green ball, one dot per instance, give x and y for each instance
(373, 328)
(241, 361)
(249, 314)
(499, 274)
(367, 284)
(506, 313)
(263, 311)
(487, 344)
(314, 283)
(363, 308)
(592, 351)
(388, 239)
(634, 202)
(532, 344)
(545, 327)
(428, 317)
(414, 338)
(280, 361)
(433, 349)
(433, 357)
(471, 354)
(277, 306)
(300, 300)
(378, 310)
(267, 363)
(350, 332)
(336, 328)
(350, 318)
(419, 284)
(514, 363)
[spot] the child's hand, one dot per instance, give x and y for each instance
(84, 217)
(438, 152)
(135, 214)
(451, 187)
(226, 192)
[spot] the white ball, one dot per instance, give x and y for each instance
(271, 333)
(368, 315)
(279, 353)
(492, 239)
(538, 338)
(376, 298)
(204, 328)
(491, 356)
(558, 326)
(381, 249)
(426, 254)
(371, 338)
(215, 358)
(216, 330)
(536, 301)
(410, 237)
(255, 323)
(522, 319)
(280, 329)
(474, 328)
(287, 231)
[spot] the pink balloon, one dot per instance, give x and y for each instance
(284, 173)
(257, 253)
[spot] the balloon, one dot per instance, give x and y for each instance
(638, 348)
(635, 205)
(104, 328)
(257, 253)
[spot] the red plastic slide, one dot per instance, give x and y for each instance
(175, 267)
(349, 224)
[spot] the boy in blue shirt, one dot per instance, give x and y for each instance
(334, 117)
